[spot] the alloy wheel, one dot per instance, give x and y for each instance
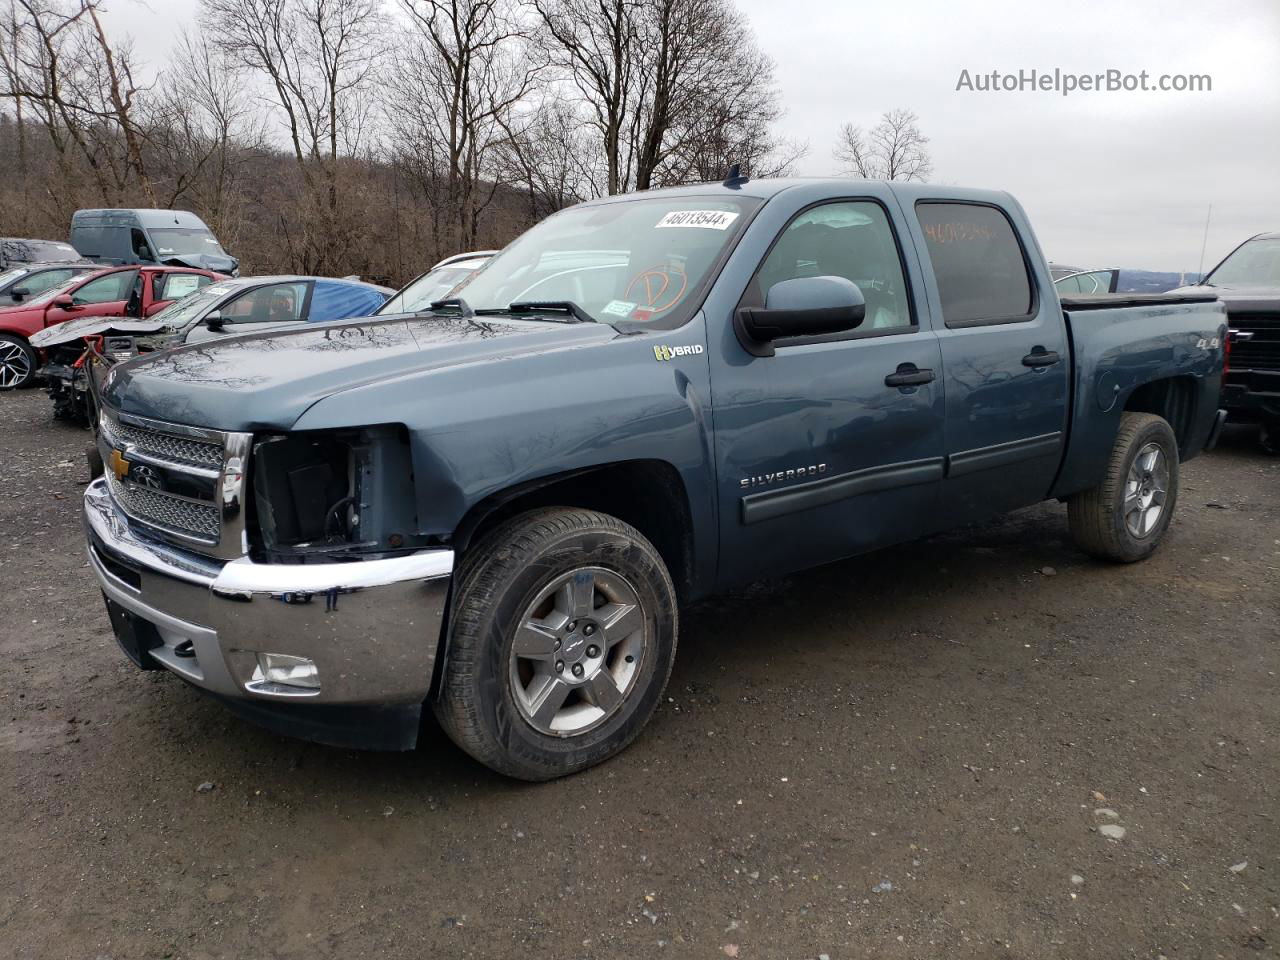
(578, 651)
(15, 365)
(1145, 490)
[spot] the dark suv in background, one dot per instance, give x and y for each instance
(1248, 282)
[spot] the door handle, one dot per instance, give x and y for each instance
(908, 375)
(1040, 358)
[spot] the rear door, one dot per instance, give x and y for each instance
(818, 457)
(170, 285)
(1005, 357)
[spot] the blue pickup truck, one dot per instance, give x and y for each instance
(495, 508)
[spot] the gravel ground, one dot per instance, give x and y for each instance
(917, 754)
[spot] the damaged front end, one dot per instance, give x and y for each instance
(333, 495)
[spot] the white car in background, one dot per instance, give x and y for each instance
(437, 283)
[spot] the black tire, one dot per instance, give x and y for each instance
(497, 581)
(1097, 516)
(93, 459)
(1269, 436)
(14, 353)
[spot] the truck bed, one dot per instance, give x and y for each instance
(1122, 343)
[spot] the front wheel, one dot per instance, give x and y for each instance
(562, 636)
(1125, 516)
(17, 362)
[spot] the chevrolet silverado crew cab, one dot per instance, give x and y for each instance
(495, 508)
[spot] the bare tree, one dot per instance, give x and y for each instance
(595, 43)
(56, 59)
(465, 70)
(547, 152)
(894, 149)
(203, 129)
(316, 58)
(659, 80)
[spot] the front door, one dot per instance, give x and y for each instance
(818, 457)
(270, 307)
(1006, 359)
(104, 296)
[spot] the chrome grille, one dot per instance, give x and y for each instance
(165, 446)
(184, 483)
(174, 514)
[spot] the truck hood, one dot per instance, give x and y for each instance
(269, 380)
(1241, 300)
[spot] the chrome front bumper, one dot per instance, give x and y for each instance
(371, 627)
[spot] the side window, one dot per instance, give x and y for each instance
(175, 286)
(978, 262)
(141, 249)
(1068, 285)
(274, 304)
(851, 239)
(40, 282)
(108, 289)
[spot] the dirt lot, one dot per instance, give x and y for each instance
(899, 756)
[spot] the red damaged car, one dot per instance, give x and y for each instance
(130, 291)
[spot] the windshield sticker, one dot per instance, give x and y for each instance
(711, 219)
(619, 308)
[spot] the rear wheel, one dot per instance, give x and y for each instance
(1125, 516)
(17, 362)
(562, 636)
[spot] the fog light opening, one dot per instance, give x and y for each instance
(283, 670)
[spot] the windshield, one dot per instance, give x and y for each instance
(182, 313)
(177, 241)
(644, 260)
(434, 285)
(10, 275)
(37, 251)
(1255, 264)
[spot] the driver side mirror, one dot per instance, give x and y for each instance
(20, 293)
(800, 307)
(65, 301)
(213, 320)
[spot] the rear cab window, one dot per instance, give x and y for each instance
(979, 263)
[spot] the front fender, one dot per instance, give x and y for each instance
(479, 429)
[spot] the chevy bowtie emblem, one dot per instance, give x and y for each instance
(119, 465)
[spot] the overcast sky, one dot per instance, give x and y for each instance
(1108, 179)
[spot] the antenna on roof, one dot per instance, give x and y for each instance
(735, 177)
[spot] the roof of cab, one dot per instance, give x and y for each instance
(771, 187)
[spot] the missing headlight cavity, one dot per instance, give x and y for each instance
(327, 494)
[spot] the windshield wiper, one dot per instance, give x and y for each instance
(557, 306)
(457, 303)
